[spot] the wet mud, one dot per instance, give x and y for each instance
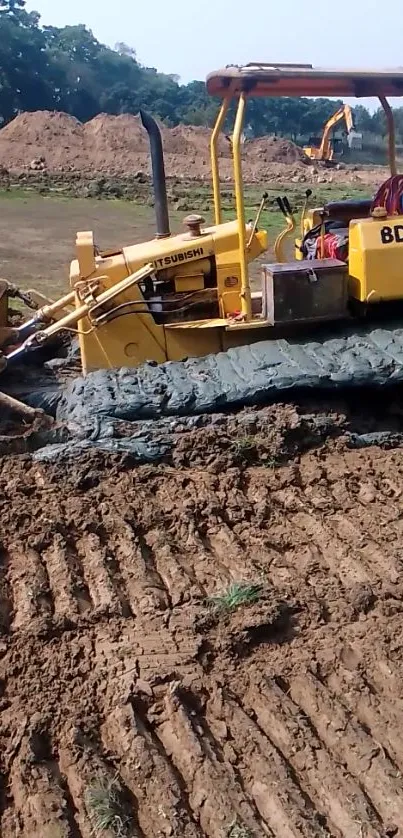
(122, 666)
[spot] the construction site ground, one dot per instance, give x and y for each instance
(195, 716)
(211, 646)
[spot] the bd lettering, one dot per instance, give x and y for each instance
(389, 235)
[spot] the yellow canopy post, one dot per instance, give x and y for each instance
(246, 301)
(214, 160)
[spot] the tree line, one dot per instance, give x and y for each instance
(68, 69)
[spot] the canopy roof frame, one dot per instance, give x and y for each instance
(259, 79)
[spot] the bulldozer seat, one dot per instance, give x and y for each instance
(347, 210)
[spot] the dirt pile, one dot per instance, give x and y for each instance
(119, 145)
(275, 150)
(54, 136)
(194, 138)
(47, 127)
(132, 687)
(122, 134)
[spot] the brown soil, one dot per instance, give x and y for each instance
(275, 149)
(119, 145)
(281, 718)
(32, 135)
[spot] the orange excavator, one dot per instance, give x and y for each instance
(322, 149)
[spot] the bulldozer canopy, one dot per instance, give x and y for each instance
(303, 80)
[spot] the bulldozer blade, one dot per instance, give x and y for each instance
(30, 414)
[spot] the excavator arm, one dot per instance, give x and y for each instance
(344, 113)
(325, 151)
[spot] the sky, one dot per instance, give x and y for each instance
(190, 39)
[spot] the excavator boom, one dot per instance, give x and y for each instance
(325, 151)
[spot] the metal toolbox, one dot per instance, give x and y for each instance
(310, 290)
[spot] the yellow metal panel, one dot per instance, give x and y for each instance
(85, 253)
(263, 243)
(312, 219)
(226, 245)
(226, 242)
(189, 283)
(213, 323)
(111, 268)
(311, 152)
(229, 288)
(201, 266)
(376, 259)
(183, 343)
(249, 325)
(245, 336)
(127, 340)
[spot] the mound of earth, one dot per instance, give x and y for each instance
(195, 138)
(275, 150)
(210, 648)
(118, 145)
(56, 137)
(43, 126)
(123, 133)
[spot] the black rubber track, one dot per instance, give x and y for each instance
(249, 375)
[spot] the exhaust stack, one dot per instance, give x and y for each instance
(158, 171)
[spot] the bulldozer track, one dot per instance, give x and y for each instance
(350, 358)
(282, 718)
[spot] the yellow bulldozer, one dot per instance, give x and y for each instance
(187, 295)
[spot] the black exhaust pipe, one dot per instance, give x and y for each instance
(159, 180)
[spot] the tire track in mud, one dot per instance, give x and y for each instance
(353, 745)
(130, 735)
(67, 581)
(281, 719)
(331, 790)
(215, 794)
